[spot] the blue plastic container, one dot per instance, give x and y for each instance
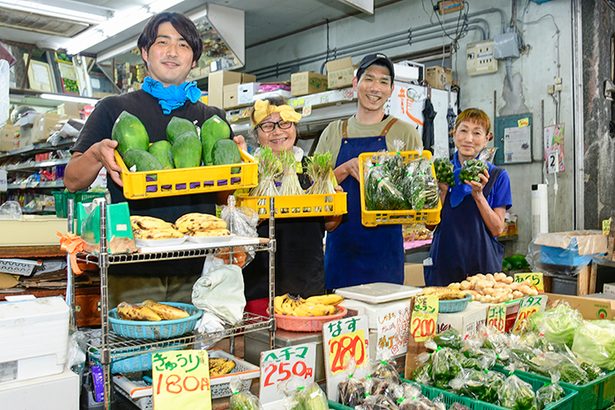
(564, 256)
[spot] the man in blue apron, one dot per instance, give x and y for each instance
(355, 254)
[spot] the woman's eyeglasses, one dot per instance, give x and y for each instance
(269, 126)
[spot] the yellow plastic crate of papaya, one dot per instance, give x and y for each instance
(383, 217)
(186, 181)
(296, 206)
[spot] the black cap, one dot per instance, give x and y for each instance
(378, 59)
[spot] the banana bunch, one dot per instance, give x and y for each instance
(149, 311)
(219, 366)
(323, 305)
(147, 227)
(444, 293)
(195, 224)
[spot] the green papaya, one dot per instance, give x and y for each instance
(143, 160)
(162, 151)
(178, 126)
(186, 151)
(226, 152)
(212, 131)
(130, 133)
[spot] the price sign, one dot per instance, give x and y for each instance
(392, 329)
(280, 365)
(535, 279)
(527, 307)
(424, 317)
(345, 341)
(496, 317)
(180, 380)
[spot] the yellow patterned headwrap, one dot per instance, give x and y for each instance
(263, 109)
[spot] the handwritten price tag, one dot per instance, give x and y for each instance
(280, 365)
(535, 279)
(424, 317)
(496, 317)
(345, 341)
(181, 380)
(527, 307)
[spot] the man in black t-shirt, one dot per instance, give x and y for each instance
(170, 47)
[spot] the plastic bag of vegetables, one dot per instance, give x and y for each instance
(269, 168)
(445, 366)
(380, 192)
(420, 187)
(549, 393)
(471, 169)
(242, 400)
(517, 395)
(320, 170)
(594, 342)
(558, 324)
(444, 171)
(385, 370)
(378, 402)
(351, 391)
(309, 398)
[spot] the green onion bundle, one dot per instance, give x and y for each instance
(320, 170)
(269, 168)
(290, 181)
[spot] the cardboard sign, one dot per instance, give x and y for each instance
(424, 317)
(535, 279)
(527, 307)
(496, 317)
(180, 380)
(393, 326)
(345, 340)
(280, 365)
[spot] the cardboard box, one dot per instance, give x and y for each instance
(45, 124)
(573, 248)
(230, 96)
(32, 230)
(57, 392)
(464, 322)
(609, 288)
(9, 137)
(246, 93)
(307, 82)
(439, 77)
(413, 274)
(340, 73)
(591, 307)
(217, 81)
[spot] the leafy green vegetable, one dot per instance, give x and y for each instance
(594, 342)
(445, 366)
(269, 168)
(380, 193)
(549, 394)
(290, 181)
(517, 395)
(558, 324)
(449, 338)
(320, 169)
(444, 171)
(244, 400)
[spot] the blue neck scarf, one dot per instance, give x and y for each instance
(172, 97)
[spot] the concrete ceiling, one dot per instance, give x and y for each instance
(264, 19)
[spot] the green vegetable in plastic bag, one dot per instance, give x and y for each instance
(444, 171)
(594, 342)
(244, 400)
(380, 192)
(420, 187)
(471, 169)
(548, 394)
(558, 324)
(310, 398)
(449, 338)
(445, 366)
(517, 395)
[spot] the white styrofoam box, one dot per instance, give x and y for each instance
(56, 392)
(246, 93)
(34, 338)
(465, 321)
(373, 310)
(609, 288)
(409, 71)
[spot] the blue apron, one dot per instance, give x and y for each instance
(355, 254)
(462, 245)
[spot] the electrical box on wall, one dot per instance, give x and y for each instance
(448, 6)
(480, 59)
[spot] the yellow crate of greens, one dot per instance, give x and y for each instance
(370, 218)
(296, 206)
(186, 181)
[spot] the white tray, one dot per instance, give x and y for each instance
(210, 239)
(158, 243)
(378, 292)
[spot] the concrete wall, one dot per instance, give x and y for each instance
(598, 27)
(537, 68)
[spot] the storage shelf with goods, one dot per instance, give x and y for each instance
(36, 185)
(112, 347)
(33, 165)
(38, 148)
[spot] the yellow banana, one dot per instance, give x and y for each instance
(166, 312)
(277, 304)
(331, 299)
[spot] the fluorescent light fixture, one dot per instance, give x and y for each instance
(66, 9)
(120, 22)
(69, 98)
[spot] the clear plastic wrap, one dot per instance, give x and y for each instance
(557, 324)
(242, 399)
(421, 188)
(594, 342)
(241, 221)
(517, 394)
(445, 366)
(549, 393)
(10, 210)
(380, 192)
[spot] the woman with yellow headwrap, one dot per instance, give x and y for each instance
(299, 259)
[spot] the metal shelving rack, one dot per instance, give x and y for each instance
(113, 347)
